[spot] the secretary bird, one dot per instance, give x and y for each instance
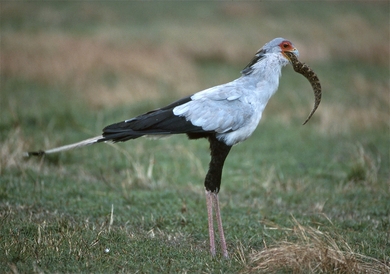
(226, 115)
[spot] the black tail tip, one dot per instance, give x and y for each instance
(39, 153)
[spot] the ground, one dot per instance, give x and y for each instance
(294, 198)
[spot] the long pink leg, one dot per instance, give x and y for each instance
(209, 201)
(220, 227)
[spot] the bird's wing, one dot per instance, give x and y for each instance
(215, 110)
(161, 121)
(219, 109)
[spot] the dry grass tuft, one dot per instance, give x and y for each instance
(364, 166)
(313, 251)
(11, 150)
(139, 176)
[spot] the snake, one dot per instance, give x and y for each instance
(310, 75)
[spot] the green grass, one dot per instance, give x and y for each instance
(287, 186)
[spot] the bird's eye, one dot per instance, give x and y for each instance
(286, 45)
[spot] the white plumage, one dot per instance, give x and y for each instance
(234, 110)
(225, 115)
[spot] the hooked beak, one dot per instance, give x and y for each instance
(293, 51)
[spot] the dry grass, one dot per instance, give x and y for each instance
(104, 74)
(312, 251)
(336, 118)
(113, 66)
(107, 61)
(370, 108)
(364, 166)
(11, 151)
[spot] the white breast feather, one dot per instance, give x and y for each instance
(233, 110)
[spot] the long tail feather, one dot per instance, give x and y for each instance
(86, 142)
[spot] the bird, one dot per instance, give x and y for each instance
(225, 115)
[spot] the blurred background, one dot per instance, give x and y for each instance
(108, 55)
(69, 68)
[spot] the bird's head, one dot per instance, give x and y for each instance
(280, 45)
(277, 45)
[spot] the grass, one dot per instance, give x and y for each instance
(295, 199)
(313, 250)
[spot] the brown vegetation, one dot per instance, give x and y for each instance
(312, 251)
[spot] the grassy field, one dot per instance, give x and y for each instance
(295, 199)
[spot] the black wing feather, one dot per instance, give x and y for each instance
(258, 56)
(156, 122)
